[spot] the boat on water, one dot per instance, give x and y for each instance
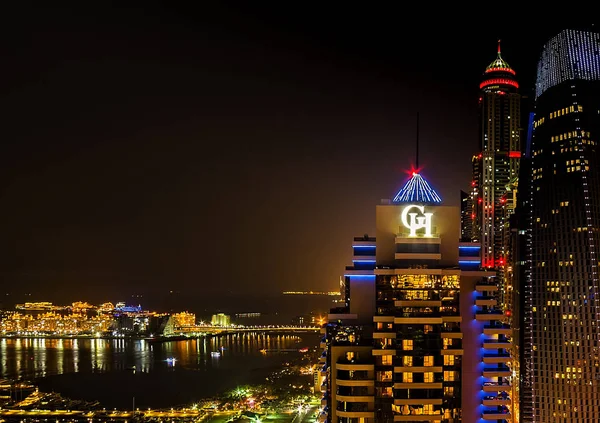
(171, 361)
(215, 354)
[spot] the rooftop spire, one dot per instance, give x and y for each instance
(499, 64)
(417, 190)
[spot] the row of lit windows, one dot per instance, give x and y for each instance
(576, 161)
(565, 111)
(568, 135)
(577, 169)
(407, 360)
(449, 376)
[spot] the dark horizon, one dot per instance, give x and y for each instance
(224, 150)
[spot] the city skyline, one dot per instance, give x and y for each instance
(140, 151)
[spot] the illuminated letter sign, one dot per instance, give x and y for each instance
(414, 222)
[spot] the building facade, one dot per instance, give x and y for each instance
(422, 337)
(497, 163)
(561, 315)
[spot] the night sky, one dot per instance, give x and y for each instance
(216, 151)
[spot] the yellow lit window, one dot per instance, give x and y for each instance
(407, 377)
(386, 360)
(449, 376)
(428, 361)
(407, 361)
(407, 344)
(428, 377)
(448, 360)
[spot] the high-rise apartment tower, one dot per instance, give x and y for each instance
(561, 362)
(497, 163)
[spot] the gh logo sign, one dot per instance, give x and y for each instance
(415, 221)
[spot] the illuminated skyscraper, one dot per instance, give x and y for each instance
(422, 337)
(497, 163)
(561, 316)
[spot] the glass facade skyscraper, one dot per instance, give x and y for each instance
(497, 163)
(561, 311)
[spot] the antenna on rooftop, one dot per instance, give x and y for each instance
(417, 155)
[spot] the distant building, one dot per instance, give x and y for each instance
(221, 319)
(184, 319)
(466, 219)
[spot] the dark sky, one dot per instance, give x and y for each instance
(211, 151)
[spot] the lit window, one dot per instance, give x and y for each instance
(428, 361)
(407, 344)
(428, 377)
(449, 376)
(407, 361)
(448, 360)
(407, 377)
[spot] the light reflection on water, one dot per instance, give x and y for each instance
(31, 358)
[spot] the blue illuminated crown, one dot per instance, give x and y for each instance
(417, 190)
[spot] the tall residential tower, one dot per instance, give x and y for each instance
(421, 337)
(561, 366)
(497, 163)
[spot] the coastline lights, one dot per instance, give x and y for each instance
(417, 190)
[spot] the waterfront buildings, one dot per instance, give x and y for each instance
(497, 163)
(220, 319)
(561, 309)
(184, 319)
(421, 336)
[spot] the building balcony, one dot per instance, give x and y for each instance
(418, 401)
(451, 333)
(355, 382)
(417, 256)
(490, 315)
(418, 303)
(322, 359)
(494, 401)
(452, 352)
(424, 318)
(421, 385)
(486, 300)
(496, 387)
(355, 398)
(497, 358)
(417, 417)
(497, 329)
(324, 400)
(356, 414)
(496, 415)
(384, 333)
(418, 369)
(493, 344)
(355, 366)
(489, 287)
(497, 372)
(384, 351)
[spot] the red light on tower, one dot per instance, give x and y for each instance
(480, 200)
(473, 216)
(473, 183)
(514, 154)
